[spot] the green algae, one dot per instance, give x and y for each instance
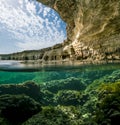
(87, 96)
(108, 107)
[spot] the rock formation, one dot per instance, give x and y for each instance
(92, 27)
(93, 31)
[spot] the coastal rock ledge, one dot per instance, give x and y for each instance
(93, 33)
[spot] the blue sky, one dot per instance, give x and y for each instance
(28, 25)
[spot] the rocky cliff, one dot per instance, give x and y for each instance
(93, 30)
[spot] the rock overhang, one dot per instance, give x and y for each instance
(93, 30)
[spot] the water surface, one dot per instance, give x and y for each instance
(13, 72)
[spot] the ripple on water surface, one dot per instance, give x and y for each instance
(13, 72)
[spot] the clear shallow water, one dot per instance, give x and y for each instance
(85, 92)
(12, 72)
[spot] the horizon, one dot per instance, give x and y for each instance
(27, 25)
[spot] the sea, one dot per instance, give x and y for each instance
(73, 92)
(13, 72)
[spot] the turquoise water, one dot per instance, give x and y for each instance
(13, 74)
(67, 94)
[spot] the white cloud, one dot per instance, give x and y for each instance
(46, 11)
(22, 19)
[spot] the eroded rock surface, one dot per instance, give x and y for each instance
(93, 32)
(92, 27)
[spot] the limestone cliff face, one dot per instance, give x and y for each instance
(93, 27)
(93, 31)
(67, 10)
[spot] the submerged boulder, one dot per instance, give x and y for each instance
(54, 116)
(68, 97)
(108, 106)
(18, 108)
(28, 88)
(71, 83)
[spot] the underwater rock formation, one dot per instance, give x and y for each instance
(29, 89)
(67, 84)
(108, 106)
(69, 97)
(68, 101)
(93, 33)
(17, 108)
(64, 92)
(54, 116)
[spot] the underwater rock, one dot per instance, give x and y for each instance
(108, 106)
(64, 97)
(55, 116)
(18, 108)
(69, 97)
(47, 98)
(49, 116)
(65, 84)
(29, 88)
(51, 90)
(114, 77)
(3, 121)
